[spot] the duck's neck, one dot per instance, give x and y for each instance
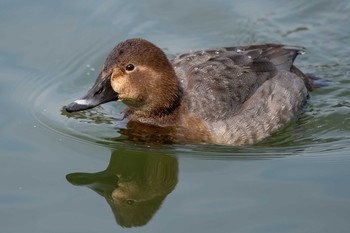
(171, 103)
(163, 104)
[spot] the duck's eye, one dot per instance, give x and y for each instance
(130, 67)
(130, 201)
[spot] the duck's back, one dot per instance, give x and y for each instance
(242, 93)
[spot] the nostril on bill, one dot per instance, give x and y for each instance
(98, 92)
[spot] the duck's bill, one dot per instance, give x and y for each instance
(100, 93)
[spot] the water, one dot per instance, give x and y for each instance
(60, 173)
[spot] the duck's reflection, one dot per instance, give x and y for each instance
(134, 184)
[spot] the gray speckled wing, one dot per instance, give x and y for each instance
(243, 93)
(217, 82)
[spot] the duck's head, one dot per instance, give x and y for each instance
(136, 72)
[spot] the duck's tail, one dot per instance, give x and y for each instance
(311, 81)
(306, 78)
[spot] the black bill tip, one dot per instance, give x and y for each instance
(79, 105)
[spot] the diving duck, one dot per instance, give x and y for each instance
(225, 96)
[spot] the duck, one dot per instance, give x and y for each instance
(225, 96)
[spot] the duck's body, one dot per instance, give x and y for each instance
(231, 96)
